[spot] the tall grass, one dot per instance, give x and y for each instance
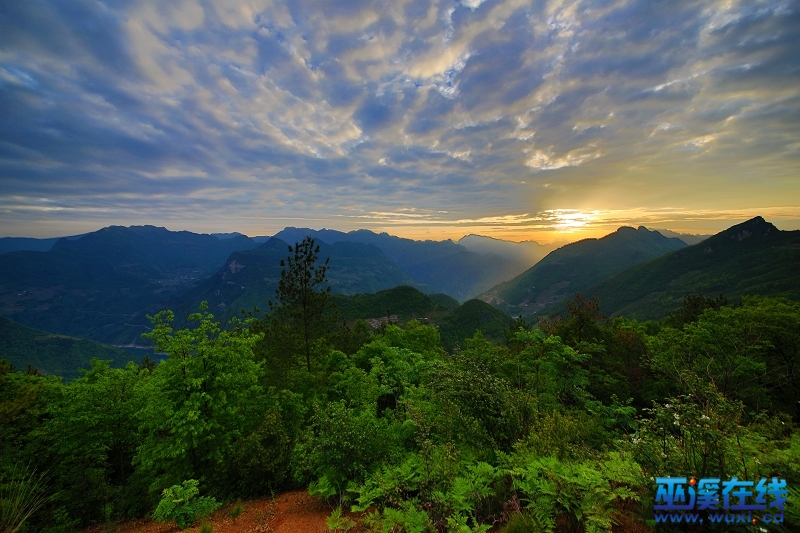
(22, 493)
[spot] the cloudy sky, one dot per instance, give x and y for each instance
(518, 119)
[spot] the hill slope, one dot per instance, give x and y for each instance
(753, 257)
(472, 315)
(405, 302)
(53, 354)
(444, 265)
(94, 286)
(576, 267)
(249, 278)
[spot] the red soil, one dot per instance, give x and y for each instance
(291, 512)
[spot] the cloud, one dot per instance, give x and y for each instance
(250, 110)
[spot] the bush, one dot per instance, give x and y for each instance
(180, 503)
(342, 445)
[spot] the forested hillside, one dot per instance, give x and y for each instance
(751, 258)
(48, 353)
(564, 426)
(97, 286)
(576, 267)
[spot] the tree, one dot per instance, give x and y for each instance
(199, 403)
(692, 308)
(304, 303)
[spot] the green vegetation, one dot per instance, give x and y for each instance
(53, 354)
(470, 317)
(558, 427)
(576, 267)
(21, 495)
(406, 302)
(181, 504)
(751, 258)
(304, 305)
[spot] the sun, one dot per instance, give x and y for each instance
(571, 220)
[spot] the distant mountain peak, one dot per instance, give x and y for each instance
(274, 244)
(755, 227)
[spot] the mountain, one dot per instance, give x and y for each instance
(16, 244)
(472, 315)
(404, 302)
(688, 238)
(53, 354)
(526, 252)
(444, 265)
(249, 278)
(576, 267)
(750, 258)
(96, 285)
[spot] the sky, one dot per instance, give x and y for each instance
(523, 120)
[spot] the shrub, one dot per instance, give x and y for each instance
(521, 523)
(236, 511)
(337, 522)
(181, 503)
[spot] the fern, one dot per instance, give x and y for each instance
(583, 490)
(180, 503)
(337, 522)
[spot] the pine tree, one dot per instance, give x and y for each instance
(304, 302)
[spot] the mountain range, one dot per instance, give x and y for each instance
(102, 285)
(751, 258)
(95, 285)
(445, 266)
(576, 267)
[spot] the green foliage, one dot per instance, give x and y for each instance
(570, 435)
(182, 504)
(549, 371)
(470, 406)
(235, 511)
(336, 522)
(53, 354)
(473, 315)
(342, 444)
(89, 435)
(404, 301)
(753, 257)
(304, 302)
(260, 461)
(582, 493)
(748, 353)
(521, 523)
(199, 402)
(22, 493)
(692, 308)
(708, 435)
(580, 265)
(206, 527)
(418, 493)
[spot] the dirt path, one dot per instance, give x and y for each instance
(291, 512)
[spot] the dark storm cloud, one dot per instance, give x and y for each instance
(364, 105)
